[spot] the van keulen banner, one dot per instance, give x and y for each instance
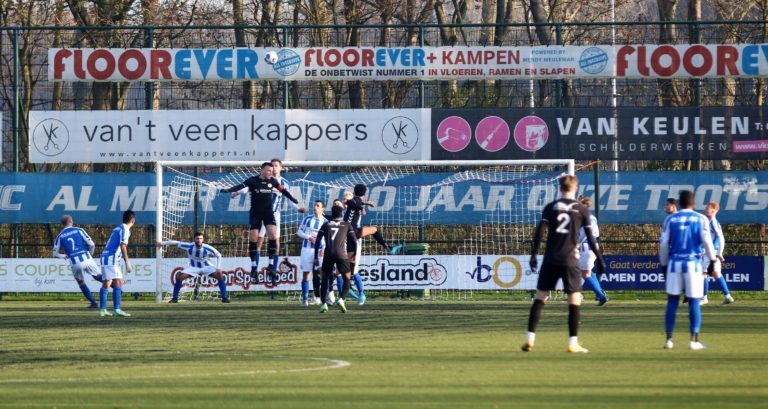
(625, 133)
(417, 63)
(206, 135)
(625, 197)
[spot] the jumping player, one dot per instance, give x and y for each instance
(587, 257)
(683, 239)
(308, 232)
(200, 255)
(78, 247)
(355, 210)
(261, 214)
(277, 202)
(336, 234)
(564, 218)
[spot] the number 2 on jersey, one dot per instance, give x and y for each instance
(564, 219)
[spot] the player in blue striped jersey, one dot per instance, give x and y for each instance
(718, 240)
(683, 239)
(277, 203)
(587, 257)
(308, 232)
(115, 250)
(78, 247)
(200, 255)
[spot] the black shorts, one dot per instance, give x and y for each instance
(341, 264)
(257, 219)
(551, 273)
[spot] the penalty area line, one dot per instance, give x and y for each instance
(332, 364)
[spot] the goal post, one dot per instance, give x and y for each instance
(416, 202)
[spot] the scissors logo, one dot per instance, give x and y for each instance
(50, 137)
(400, 135)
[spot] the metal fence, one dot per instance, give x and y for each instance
(23, 72)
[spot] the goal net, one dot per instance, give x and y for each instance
(455, 228)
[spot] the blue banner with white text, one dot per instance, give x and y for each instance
(625, 197)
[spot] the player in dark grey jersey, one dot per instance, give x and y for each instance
(563, 218)
(337, 234)
(261, 188)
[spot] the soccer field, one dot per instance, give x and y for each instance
(384, 354)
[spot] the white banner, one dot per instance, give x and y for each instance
(448, 272)
(416, 63)
(206, 135)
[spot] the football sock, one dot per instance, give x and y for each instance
(176, 288)
(275, 260)
(316, 285)
(87, 293)
(535, 316)
(325, 287)
(253, 253)
(723, 285)
(380, 239)
(345, 288)
(339, 284)
(573, 320)
(669, 318)
(706, 285)
(103, 293)
(304, 290)
(694, 314)
(573, 340)
(222, 288)
(530, 337)
(595, 283)
(358, 284)
(271, 248)
(117, 295)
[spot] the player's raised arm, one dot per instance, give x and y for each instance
(283, 190)
(239, 189)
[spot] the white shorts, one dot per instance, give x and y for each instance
(307, 259)
(197, 271)
(79, 270)
(111, 272)
(587, 260)
(718, 266)
(685, 277)
(263, 230)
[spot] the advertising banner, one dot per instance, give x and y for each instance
(443, 272)
(653, 133)
(403, 63)
(207, 135)
(625, 197)
(742, 273)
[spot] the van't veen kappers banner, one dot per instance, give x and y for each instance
(422, 63)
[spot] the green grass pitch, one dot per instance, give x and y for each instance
(392, 354)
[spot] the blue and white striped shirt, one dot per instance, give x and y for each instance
(309, 228)
(718, 239)
(277, 198)
(198, 256)
(684, 237)
(112, 253)
(76, 243)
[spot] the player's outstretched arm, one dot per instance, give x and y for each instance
(283, 190)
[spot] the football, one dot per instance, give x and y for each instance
(271, 57)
